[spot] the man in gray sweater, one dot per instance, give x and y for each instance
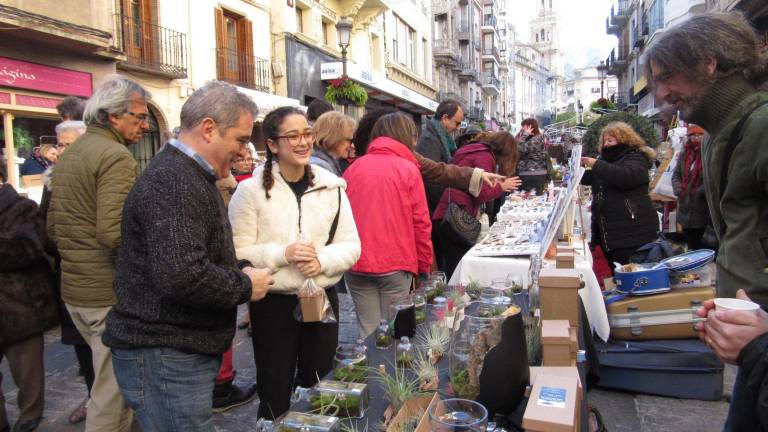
(176, 280)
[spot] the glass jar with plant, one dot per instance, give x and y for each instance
(383, 338)
(351, 364)
(404, 353)
(433, 340)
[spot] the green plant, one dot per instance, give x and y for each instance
(602, 104)
(383, 341)
(404, 360)
(398, 387)
(344, 88)
(474, 289)
(425, 370)
(460, 383)
(420, 315)
(433, 339)
(357, 373)
(640, 124)
(437, 290)
(335, 405)
(22, 139)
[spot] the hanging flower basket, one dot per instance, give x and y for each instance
(344, 91)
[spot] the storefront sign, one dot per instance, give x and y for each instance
(32, 76)
(373, 79)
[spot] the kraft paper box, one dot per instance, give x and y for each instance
(552, 406)
(558, 294)
(556, 342)
(413, 407)
(312, 307)
(568, 372)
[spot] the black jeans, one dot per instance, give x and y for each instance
(280, 344)
(620, 256)
(693, 238)
(452, 252)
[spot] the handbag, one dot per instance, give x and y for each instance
(460, 225)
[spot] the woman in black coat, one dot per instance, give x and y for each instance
(623, 217)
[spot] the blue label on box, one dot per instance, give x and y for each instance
(552, 397)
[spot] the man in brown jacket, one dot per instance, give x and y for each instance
(92, 179)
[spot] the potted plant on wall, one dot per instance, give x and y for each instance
(344, 91)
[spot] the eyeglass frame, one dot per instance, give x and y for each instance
(142, 117)
(298, 137)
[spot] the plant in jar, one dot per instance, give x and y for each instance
(425, 371)
(383, 338)
(398, 387)
(404, 353)
(474, 289)
(336, 405)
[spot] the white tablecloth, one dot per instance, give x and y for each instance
(485, 269)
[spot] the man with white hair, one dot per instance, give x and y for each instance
(92, 179)
(67, 132)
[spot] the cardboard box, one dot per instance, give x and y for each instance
(552, 406)
(568, 372)
(558, 294)
(564, 260)
(556, 343)
(573, 332)
(416, 406)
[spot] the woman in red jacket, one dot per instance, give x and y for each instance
(487, 151)
(390, 208)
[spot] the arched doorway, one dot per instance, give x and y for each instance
(149, 144)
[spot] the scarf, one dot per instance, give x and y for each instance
(691, 168)
(445, 137)
(614, 153)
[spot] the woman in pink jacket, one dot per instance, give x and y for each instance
(390, 208)
(488, 151)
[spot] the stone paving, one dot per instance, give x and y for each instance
(621, 411)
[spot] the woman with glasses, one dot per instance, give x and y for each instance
(390, 206)
(333, 132)
(294, 219)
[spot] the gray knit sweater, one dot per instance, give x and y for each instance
(176, 279)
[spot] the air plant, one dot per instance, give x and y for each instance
(433, 339)
(398, 387)
(474, 289)
(425, 371)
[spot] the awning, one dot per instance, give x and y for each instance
(379, 84)
(640, 85)
(267, 101)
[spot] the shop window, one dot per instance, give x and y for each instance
(235, 61)
(149, 145)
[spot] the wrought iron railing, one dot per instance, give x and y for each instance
(152, 48)
(243, 69)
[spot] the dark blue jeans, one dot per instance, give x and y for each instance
(737, 388)
(169, 390)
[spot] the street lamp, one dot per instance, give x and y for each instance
(581, 112)
(602, 69)
(344, 31)
(478, 107)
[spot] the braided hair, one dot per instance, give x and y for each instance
(271, 130)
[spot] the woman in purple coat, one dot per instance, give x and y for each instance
(493, 152)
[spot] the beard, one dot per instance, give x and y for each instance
(687, 105)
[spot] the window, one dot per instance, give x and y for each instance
(537, 37)
(299, 20)
(542, 35)
(138, 22)
(425, 56)
(595, 89)
(235, 61)
(327, 33)
(404, 44)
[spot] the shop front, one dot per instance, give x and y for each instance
(381, 90)
(29, 93)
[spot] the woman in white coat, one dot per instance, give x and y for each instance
(285, 201)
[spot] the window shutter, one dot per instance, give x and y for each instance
(221, 59)
(248, 65)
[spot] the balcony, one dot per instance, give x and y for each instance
(444, 52)
(243, 69)
(489, 24)
(476, 114)
(467, 70)
(150, 48)
(492, 54)
(491, 85)
(440, 7)
(464, 31)
(616, 65)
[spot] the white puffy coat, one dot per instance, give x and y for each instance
(262, 228)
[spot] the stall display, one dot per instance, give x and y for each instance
(340, 399)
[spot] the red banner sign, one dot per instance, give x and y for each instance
(32, 76)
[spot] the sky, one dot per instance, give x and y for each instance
(582, 27)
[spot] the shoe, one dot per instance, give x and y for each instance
(28, 426)
(228, 396)
(79, 414)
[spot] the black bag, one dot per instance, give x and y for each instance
(460, 225)
(656, 251)
(683, 368)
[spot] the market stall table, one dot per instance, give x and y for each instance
(485, 269)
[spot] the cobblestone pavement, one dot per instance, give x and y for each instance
(621, 411)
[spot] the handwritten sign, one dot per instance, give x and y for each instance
(32, 76)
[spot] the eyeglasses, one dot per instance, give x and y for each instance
(294, 139)
(142, 117)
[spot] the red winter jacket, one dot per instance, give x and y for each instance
(390, 208)
(476, 155)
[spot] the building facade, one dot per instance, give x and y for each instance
(585, 87)
(533, 86)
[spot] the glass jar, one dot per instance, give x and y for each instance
(383, 338)
(404, 353)
(458, 415)
(440, 280)
(351, 364)
(459, 373)
(440, 309)
(420, 311)
(402, 313)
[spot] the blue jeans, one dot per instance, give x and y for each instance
(735, 394)
(169, 390)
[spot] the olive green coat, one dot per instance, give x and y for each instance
(743, 207)
(89, 186)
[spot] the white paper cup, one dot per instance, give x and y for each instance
(735, 304)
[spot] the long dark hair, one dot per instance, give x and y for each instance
(271, 129)
(503, 145)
